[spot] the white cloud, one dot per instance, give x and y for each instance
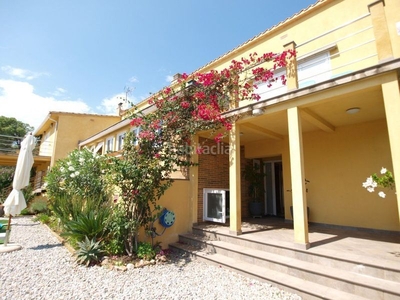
(21, 73)
(169, 78)
(110, 105)
(133, 79)
(58, 92)
(18, 100)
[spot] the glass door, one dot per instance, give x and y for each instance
(273, 188)
(215, 205)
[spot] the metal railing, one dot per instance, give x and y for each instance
(12, 144)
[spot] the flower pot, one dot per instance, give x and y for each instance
(256, 209)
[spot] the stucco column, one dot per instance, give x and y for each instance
(234, 181)
(292, 82)
(391, 99)
(300, 220)
(194, 181)
(381, 32)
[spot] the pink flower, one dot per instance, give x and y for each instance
(218, 137)
(136, 122)
(185, 104)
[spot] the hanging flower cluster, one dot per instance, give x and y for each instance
(161, 143)
(386, 180)
(198, 101)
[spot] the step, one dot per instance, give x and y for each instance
(389, 270)
(344, 280)
(287, 282)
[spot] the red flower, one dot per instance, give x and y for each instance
(185, 104)
(218, 138)
(136, 122)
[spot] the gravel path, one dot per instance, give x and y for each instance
(44, 269)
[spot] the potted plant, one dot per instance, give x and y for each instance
(255, 177)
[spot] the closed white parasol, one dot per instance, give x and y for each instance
(15, 202)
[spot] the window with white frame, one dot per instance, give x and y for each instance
(314, 69)
(135, 132)
(268, 90)
(110, 145)
(120, 139)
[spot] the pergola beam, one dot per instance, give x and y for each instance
(316, 120)
(263, 131)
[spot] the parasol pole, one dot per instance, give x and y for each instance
(8, 230)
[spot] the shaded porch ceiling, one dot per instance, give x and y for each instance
(326, 115)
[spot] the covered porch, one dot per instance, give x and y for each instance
(314, 139)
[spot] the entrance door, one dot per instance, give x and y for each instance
(274, 204)
(215, 205)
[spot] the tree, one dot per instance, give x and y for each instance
(13, 127)
(9, 127)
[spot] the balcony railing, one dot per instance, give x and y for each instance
(12, 144)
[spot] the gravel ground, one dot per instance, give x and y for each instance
(44, 269)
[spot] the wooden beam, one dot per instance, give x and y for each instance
(317, 120)
(263, 131)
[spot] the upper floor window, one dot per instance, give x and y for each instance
(314, 69)
(136, 131)
(266, 91)
(110, 145)
(121, 138)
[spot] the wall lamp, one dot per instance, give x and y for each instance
(257, 111)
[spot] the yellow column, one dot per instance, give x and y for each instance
(234, 181)
(381, 32)
(291, 69)
(300, 220)
(391, 99)
(194, 181)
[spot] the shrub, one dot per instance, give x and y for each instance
(67, 208)
(117, 230)
(145, 251)
(39, 206)
(79, 176)
(89, 252)
(91, 225)
(42, 218)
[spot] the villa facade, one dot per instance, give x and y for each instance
(316, 139)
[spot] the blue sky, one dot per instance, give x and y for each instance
(80, 56)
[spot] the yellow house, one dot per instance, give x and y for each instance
(317, 138)
(60, 133)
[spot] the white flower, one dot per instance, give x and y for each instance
(72, 175)
(370, 189)
(71, 168)
(382, 194)
(76, 173)
(383, 170)
(81, 160)
(62, 169)
(370, 183)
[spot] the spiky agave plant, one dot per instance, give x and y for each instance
(89, 252)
